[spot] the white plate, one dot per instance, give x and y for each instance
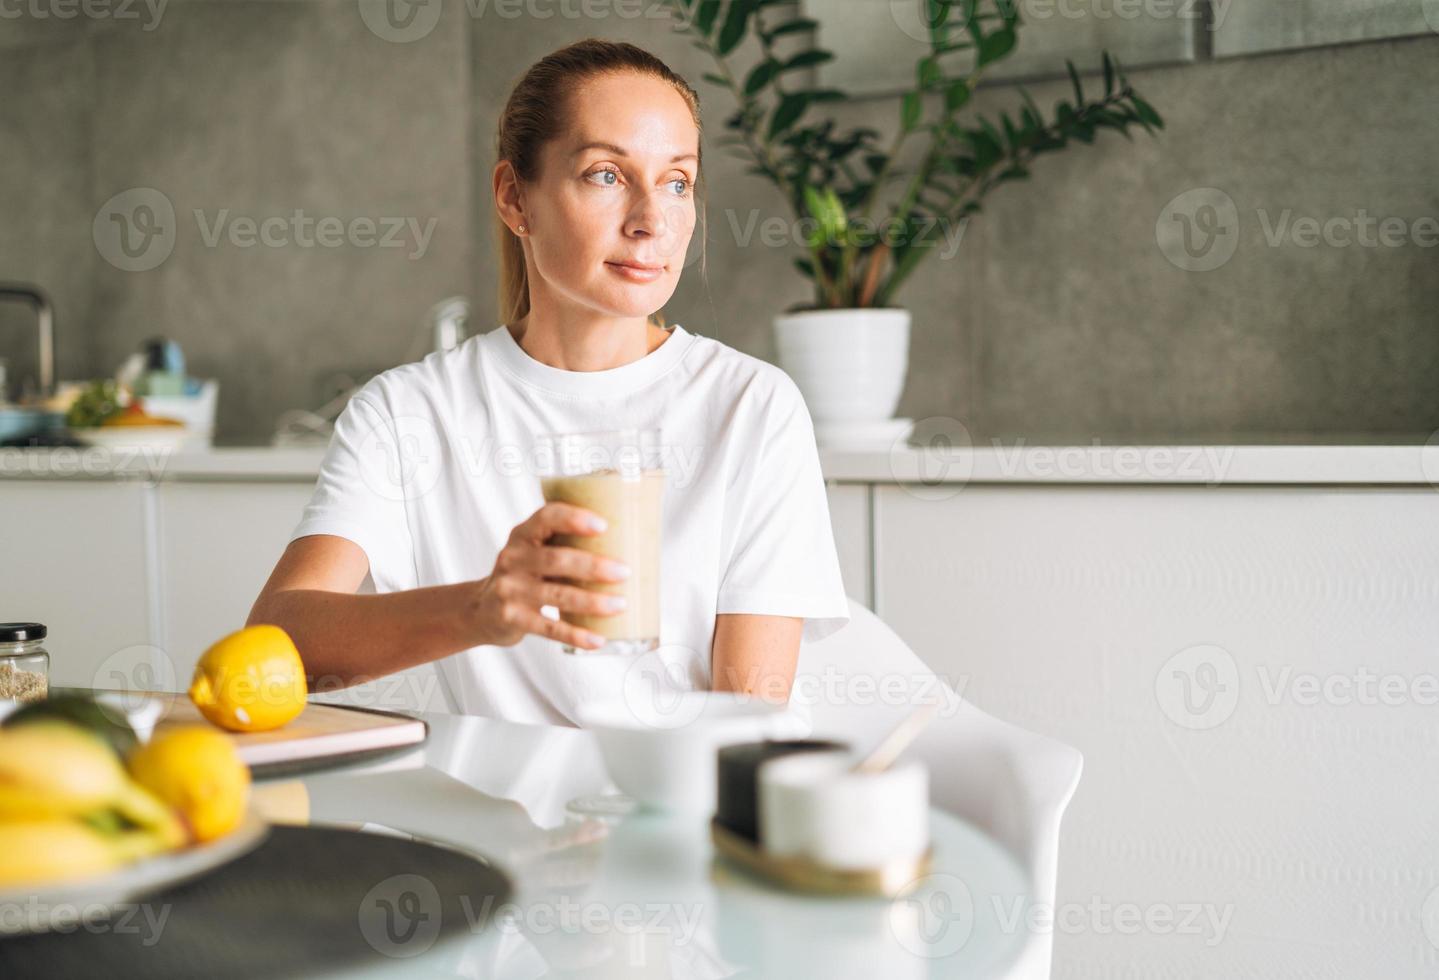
(42, 906)
(156, 438)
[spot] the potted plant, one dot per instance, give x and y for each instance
(847, 350)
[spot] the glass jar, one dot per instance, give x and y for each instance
(24, 662)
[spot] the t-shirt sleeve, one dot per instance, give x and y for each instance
(358, 495)
(782, 558)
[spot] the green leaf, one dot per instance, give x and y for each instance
(1146, 112)
(806, 58)
(1011, 134)
(928, 72)
(735, 22)
(790, 108)
(1033, 118)
(705, 16)
(986, 148)
(910, 110)
(996, 45)
(827, 210)
(760, 76)
(956, 95)
(790, 26)
(1108, 75)
(1074, 80)
(992, 133)
(710, 76)
(971, 21)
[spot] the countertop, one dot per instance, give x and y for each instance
(1361, 461)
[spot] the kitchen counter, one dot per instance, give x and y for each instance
(1402, 462)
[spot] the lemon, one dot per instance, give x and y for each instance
(251, 681)
(196, 770)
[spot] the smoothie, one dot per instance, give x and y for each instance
(632, 508)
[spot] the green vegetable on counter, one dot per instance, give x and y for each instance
(97, 402)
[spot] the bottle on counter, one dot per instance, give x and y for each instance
(24, 662)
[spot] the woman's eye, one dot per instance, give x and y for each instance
(686, 185)
(603, 173)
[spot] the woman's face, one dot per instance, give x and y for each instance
(616, 189)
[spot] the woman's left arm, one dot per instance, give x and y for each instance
(756, 654)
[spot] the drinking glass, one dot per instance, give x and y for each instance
(619, 474)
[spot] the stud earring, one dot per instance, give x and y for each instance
(520, 230)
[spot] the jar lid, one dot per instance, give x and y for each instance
(14, 632)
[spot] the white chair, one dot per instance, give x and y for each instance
(1011, 783)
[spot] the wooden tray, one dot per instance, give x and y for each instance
(323, 735)
(802, 874)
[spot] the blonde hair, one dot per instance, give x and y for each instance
(534, 114)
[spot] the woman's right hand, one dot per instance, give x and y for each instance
(526, 577)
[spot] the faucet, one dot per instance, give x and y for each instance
(45, 325)
(447, 322)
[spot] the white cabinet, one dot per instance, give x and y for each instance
(218, 545)
(1250, 674)
(849, 516)
(75, 558)
(219, 541)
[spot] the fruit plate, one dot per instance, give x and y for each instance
(41, 907)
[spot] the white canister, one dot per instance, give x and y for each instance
(815, 806)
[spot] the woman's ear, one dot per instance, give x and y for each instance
(509, 197)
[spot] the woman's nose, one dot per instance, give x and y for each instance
(652, 216)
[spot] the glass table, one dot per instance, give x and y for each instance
(641, 895)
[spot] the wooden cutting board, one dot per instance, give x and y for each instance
(322, 735)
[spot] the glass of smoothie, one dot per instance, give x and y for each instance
(619, 474)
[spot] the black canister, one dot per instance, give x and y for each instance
(737, 799)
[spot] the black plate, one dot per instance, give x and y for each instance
(308, 900)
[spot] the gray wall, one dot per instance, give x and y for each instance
(1060, 316)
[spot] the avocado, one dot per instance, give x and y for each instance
(104, 722)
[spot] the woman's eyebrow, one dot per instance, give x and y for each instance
(621, 151)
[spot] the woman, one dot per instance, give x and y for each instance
(424, 485)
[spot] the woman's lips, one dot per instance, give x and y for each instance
(636, 273)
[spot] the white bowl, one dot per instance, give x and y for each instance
(666, 759)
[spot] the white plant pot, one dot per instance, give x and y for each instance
(850, 365)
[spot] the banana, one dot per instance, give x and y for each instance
(52, 769)
(46, 851)
(144, 809)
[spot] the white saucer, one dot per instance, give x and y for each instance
(863, 435)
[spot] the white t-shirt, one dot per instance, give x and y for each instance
(432, 465)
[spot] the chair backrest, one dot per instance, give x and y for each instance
(1014, 784)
